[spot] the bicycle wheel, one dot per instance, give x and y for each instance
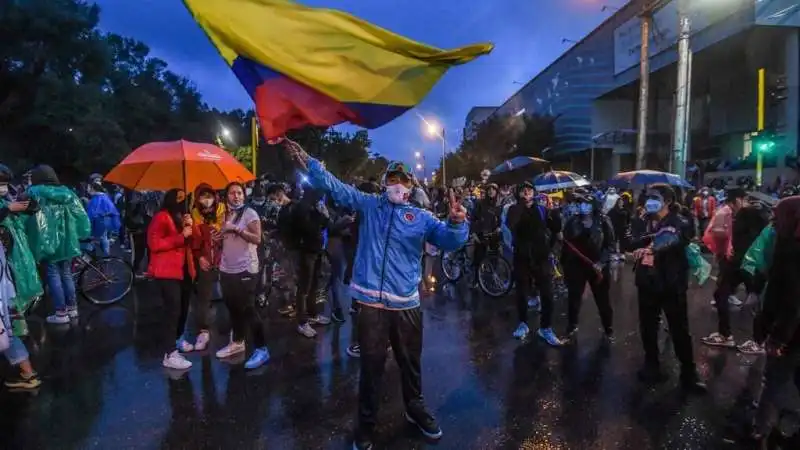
(452, 265)
(495, 276)
(105, 281)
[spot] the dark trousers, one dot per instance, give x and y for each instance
(528, 273)
(239, 292)
(308, 266)
(175, 295)
(730, 277)
(204, 290)
(403, 329)
(575, 277)
(780, 373)
(674, 305)
(139, 249)
(480, 252)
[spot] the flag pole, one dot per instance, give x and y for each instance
(254, 143)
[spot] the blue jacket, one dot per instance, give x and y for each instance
(388, 263)
(103, 214)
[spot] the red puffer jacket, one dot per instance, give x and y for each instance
(169, 250)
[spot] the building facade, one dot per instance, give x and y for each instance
(592, 89)
(476, 116)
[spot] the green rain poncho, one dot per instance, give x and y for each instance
(23, 266)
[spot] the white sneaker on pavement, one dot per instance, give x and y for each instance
(176, 361)
(202, 341)
(234, 348)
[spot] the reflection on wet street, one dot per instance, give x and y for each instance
(104, 386)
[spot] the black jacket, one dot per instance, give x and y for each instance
(747, 225)
(781, 311)
(486, 217)
(595, 242)
(670, 270)
(533, 231)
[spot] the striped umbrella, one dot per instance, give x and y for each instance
(559, 179)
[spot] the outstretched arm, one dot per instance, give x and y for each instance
(343, 194)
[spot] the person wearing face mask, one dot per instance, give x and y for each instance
(386, 279)
(241, 236)
(588, 246)
(19, 283)
(208, 216)
(533, 230)
(172, 267)
(662, 280)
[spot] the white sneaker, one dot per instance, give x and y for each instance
(234, 348)
(202, 341)
(58, 319)
(72, 312)
(306, 330)
(319, 319)
(176, 361)
(734, 301)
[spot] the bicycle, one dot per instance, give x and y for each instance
(494, 271)
(102, 280)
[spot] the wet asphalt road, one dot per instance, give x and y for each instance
(104, 387)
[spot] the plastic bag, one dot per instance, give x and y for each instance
(698, 266)
(759, 255)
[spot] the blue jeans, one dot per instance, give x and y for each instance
(105, 244)
(60, 285)
(17, 352)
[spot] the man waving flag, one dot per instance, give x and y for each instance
(314, 66)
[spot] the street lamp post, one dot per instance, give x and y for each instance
(436, 130)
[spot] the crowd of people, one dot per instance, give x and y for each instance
(253, 244)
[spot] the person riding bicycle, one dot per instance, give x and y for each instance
(386, 283)
(485, 221)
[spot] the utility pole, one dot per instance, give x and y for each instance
(683, 93)
(254, 143)
(762, 100)
(644, 86)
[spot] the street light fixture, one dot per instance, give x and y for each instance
(419, 166)
(417, 155)
(436, 130)
(226, 132)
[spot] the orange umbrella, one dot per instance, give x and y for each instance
(160, 166)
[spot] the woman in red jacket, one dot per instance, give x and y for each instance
(171, 265)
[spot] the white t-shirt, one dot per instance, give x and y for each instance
(239, 255)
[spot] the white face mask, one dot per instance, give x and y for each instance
(206, 202)
(3, 190)
(397, 193)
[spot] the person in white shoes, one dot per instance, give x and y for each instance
(239, 268)
(169, 243)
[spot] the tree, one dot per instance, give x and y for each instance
(80, 100)
(498, 139)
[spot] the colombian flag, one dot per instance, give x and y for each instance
(313, 66)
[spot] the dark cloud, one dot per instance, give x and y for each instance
(527, 35)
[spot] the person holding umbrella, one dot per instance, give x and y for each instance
(172, 267)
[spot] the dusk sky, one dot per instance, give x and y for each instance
(527, 35)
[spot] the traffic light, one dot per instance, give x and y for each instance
(778, 90)
(764, 142)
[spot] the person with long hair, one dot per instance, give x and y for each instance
(662, 281)
(781, 316)
(208, 215)
(588, 245)
(239, 265)
(169, 243)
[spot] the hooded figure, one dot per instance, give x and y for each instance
(611, 199)
(56, 230)
(103, 215)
